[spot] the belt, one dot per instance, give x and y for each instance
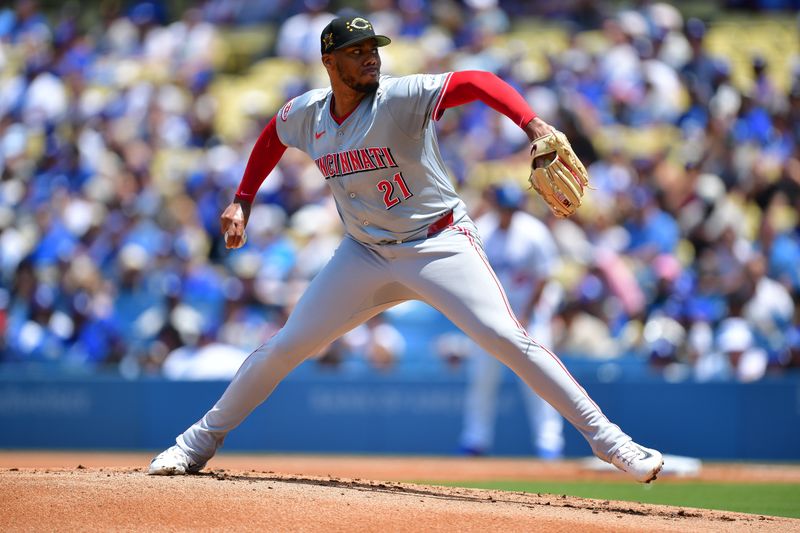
(439, 225)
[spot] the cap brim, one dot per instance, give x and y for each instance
(381, 40)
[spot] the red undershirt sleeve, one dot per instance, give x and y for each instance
(470, 85)
(265, 155)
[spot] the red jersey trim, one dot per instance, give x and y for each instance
(437, 114)
(336, 119)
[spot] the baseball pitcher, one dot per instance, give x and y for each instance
(408, 235)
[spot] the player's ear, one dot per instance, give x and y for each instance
(327, 60)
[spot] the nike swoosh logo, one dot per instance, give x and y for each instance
(320, 134)
(647, 455)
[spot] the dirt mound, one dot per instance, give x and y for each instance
(90, 498)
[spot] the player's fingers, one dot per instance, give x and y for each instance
(231, 217)
(544, 160)
(233, 227)
(224, 225)
(568, 184)
(235, 240)
(231, 240)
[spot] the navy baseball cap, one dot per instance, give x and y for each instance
(509, 196)
(345, 31)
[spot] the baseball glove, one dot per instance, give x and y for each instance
(561, 181)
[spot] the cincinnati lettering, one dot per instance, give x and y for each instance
(354, 161)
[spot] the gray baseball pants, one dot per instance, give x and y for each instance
(450, 272)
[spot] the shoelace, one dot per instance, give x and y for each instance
(628, 454)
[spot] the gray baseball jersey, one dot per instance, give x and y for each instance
(392, 190)
(382, 163)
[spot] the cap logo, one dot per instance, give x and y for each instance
(327, 40)
(359, 23)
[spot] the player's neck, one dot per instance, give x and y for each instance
(504, 220)
(344, 100)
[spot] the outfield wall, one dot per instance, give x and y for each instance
(315, 412)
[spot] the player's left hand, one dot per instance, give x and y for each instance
(557, 174)
(536, 129)
(233, 222)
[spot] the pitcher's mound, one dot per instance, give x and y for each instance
(117, 498)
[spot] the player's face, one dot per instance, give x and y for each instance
(505, 216)
(359, 66)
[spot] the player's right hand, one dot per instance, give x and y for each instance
(233, 222)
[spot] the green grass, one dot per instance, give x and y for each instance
(757, 498)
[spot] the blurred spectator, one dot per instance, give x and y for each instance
(584, 334)
(374, 344)
(735, 357)
(379, 343)
(652, 230)
(207, 361)
(22, 22)
(765, 94)
(769, 308)
(792, 360)
(699, 72)
(298, 36)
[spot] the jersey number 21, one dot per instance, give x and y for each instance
(387, 188)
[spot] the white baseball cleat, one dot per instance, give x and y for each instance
(643, 464)
(173, 462)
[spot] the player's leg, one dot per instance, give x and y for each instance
(450, 271)
(351, 288)
(480, 402)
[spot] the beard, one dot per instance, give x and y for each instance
(350, 81)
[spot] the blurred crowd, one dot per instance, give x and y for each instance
(113, 173)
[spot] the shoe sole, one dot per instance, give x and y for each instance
(655, 473)
(167, 471)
